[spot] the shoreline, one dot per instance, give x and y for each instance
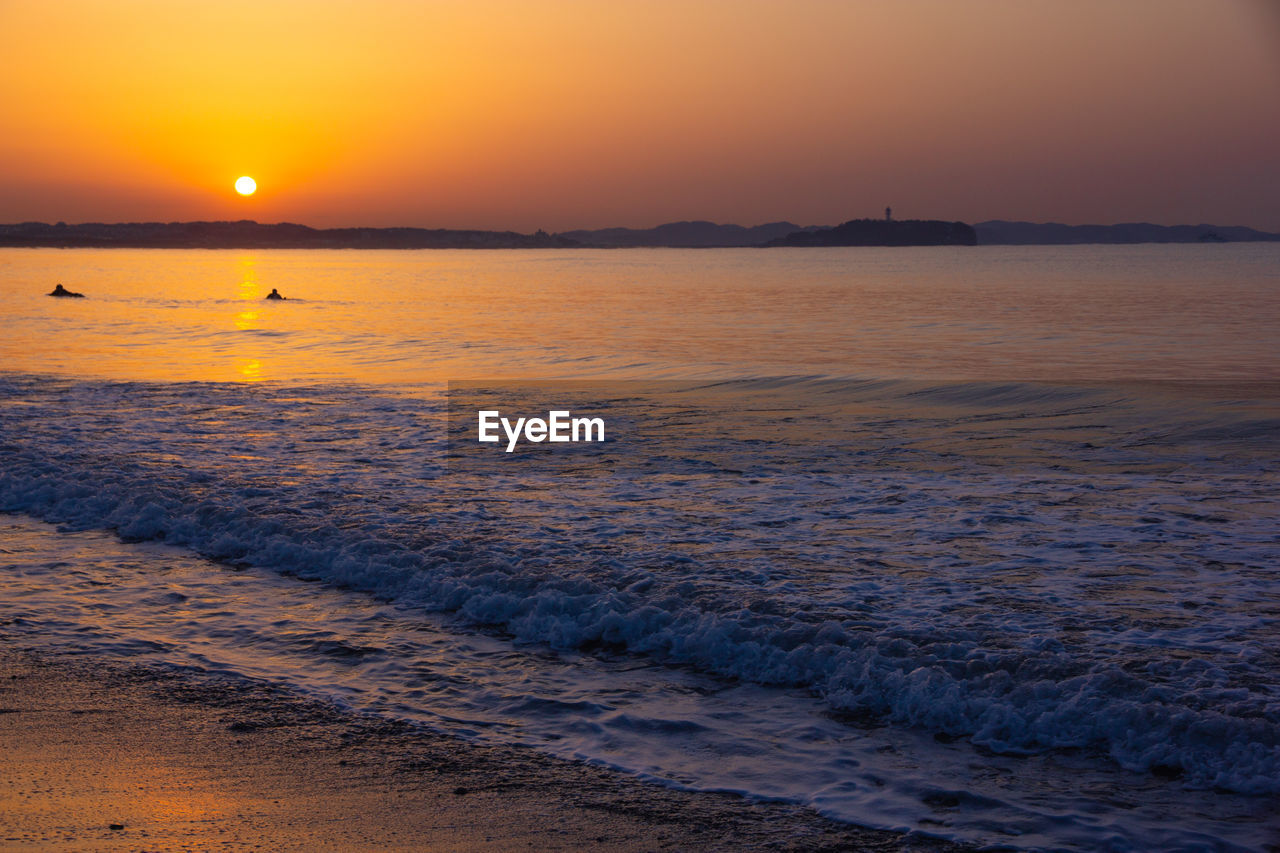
(185, 760)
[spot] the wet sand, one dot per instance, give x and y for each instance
(109, 757)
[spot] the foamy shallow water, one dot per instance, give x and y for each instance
(1034, 613)
(942, 641)
(89, 593)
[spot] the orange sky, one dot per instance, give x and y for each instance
(563, 114)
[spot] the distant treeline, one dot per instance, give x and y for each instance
(247, 234)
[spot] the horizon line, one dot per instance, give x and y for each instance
(63, 223)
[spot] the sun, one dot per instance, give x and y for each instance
(246, 185)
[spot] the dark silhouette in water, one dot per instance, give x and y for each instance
(274, 294)
(62, 291)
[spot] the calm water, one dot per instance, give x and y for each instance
(989, 551)
(1095, 312)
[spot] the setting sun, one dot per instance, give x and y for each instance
(246, 185)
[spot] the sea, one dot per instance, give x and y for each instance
(977, 543)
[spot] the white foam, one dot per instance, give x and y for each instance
(148, 603)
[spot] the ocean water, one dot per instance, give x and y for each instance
(972, 542)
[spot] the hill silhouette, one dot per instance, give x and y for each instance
(1000, 232)
(699, 234)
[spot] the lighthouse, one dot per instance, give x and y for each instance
(888, 214)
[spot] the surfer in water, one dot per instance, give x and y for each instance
(62, 291)
(274, 294)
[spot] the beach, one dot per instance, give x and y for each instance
(177, 762)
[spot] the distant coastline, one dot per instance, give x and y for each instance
(247, 234)
(998, 232)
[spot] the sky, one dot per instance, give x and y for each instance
(564, 114)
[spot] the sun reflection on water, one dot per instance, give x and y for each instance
(248, 277)
(249, 370)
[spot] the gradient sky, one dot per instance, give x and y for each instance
(561, 114)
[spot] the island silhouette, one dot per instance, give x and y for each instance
(885, 232)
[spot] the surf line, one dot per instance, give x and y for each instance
(558, 427)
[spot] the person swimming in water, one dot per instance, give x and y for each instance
(274, 294)
(62, 291)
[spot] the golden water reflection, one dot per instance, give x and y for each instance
(248, 277)
(248, 368)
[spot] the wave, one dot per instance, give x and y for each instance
(1125, 610)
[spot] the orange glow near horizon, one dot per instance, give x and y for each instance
(567, 114)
